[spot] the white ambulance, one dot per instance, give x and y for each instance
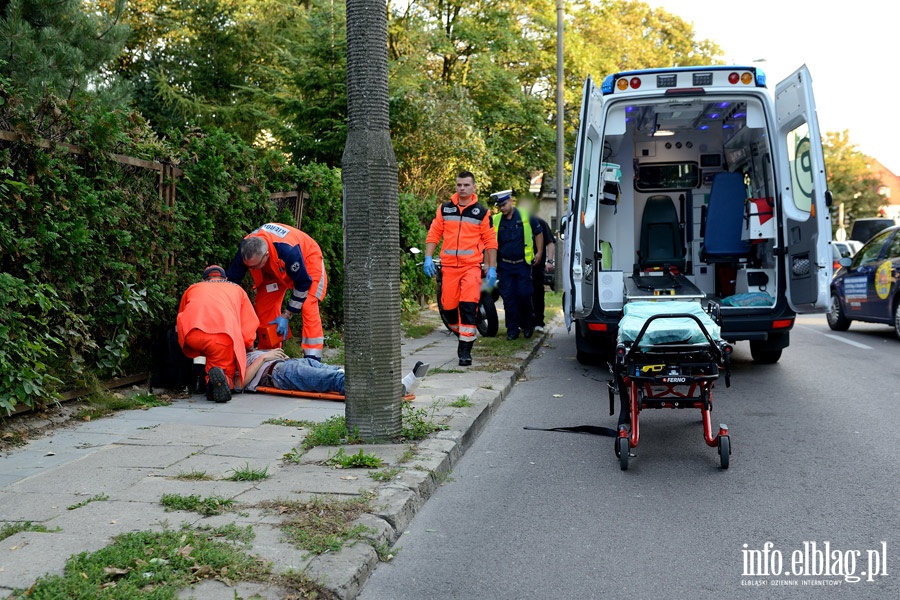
(696, 183)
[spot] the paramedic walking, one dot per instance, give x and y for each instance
(519, 241)
(465, 227)
(216, 320)
(282, 258)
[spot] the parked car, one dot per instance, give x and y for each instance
(863, 229)
(866, 288)
(844, 249)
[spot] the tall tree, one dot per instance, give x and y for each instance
(849, 178)
(61, 47)
(371, 220)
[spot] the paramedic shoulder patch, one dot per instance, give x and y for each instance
(295, 267)
(275, 229)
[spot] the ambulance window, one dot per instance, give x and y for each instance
(800, 162)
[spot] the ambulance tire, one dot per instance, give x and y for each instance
(593, 354)
(764, 354)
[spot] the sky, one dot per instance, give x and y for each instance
(852, 50)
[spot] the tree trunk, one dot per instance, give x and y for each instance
(372, 230)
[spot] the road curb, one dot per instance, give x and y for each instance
(344, 573)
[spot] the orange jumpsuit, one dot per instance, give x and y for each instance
(216, 320)
(467, 232)
(295, 263)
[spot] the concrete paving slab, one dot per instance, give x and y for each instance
(164, 434)
(218, 467)
(83, 479)
(36, 507)
(151, 489)
(110, 518)
(212, 589)
(388, 453)
(28, 555)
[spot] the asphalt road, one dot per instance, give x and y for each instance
(542, 515)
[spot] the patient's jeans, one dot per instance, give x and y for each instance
(308, 375)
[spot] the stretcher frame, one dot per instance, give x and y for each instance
(333, 396)
(669, 376)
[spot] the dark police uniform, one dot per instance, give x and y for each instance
(514, 272)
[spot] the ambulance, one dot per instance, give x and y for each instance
(697, 183)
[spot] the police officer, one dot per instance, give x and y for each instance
(518, 241)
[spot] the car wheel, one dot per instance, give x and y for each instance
(835, 316)
(897, 319)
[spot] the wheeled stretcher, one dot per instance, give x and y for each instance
(669, 355)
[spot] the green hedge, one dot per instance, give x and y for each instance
(94, 260)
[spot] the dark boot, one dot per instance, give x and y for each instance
(464, 352)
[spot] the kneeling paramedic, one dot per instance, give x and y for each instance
(282, 258)
(216, 320)
(465, 226)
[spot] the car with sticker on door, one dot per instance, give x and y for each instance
(866, 288)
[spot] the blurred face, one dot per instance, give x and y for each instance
(465, 187)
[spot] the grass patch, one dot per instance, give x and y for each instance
(321, 524)
(97, 498)
(499, 354)
(384, 474)
(293, 456)
(247, 473)
(361, 459)
(231, 532)
(418, 423)
(304, 585)
(149, 564)
(407, 455)
(331, 432)
(213, 505)
(11, 529)
(192, 475)
(12, 439)
(102, 404)
(288, 423)
(461, 402)
(414, 326)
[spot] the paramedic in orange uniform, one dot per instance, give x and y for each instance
(216, 320)
(465, 227)
(282, 258)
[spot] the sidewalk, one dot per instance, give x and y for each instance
(91, 481)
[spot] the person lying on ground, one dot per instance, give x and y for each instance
(274, 368)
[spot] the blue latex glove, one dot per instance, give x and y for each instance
(282, 326)
(428, 267)
(492, 276)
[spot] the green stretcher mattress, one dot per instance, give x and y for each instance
(681, 330)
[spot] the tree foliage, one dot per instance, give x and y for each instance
(849, 178)
(61, 47)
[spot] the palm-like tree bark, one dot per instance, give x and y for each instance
(371, 222)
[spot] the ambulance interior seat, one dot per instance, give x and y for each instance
(660, 242)
(724, 220)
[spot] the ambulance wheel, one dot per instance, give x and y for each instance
(835, 316)
(724, 451)
(622, 450)
(488, 321)
(763, 355)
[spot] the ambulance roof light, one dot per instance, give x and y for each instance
(608, 83)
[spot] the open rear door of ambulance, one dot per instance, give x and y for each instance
(578, 261)
(805, 202)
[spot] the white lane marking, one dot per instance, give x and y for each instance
(846, 341)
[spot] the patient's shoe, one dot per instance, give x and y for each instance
(412, 379)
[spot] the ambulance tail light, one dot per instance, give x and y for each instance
(782, 323)
(635, 83)
(597, 327)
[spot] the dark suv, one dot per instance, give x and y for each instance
(863, 229)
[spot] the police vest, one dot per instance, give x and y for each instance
(526, 229)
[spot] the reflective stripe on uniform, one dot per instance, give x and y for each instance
(471, 221)
(294, 304)
(312, 352)
(468, 252)
(318, 341)
(467, 333)
(320, 290)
